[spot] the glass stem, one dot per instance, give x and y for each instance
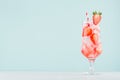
(91, 68)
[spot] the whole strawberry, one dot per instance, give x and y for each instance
(96, 17)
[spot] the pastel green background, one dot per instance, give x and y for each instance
(45, 35)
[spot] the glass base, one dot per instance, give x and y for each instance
(89, 74)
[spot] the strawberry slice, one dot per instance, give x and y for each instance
(96, 17)
(84, 50)
(98, 50)
(94, 38)
(87, 31)
(87, 50)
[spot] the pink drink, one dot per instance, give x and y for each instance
(91, 45)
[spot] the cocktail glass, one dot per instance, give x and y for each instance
(91, 45)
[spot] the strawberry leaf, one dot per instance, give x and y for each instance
(95, 12)
(99, 13)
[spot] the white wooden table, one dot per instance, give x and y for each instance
(36, 75)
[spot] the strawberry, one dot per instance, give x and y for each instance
(98, 50)
(96, 17)
(87, 31)
(94, 38)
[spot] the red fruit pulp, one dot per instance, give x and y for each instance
(94, 38)
(87, 31)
